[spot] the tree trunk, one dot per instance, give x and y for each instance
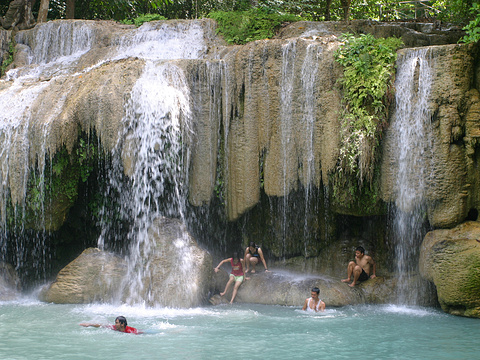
(346, 8)
(43, 11)
(70, 13)
(327, 10)
(19, 15)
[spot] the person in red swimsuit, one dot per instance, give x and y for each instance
(120, 325)
(236, 276)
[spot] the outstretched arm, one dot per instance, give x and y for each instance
(260, 252)
(89, 324)
(221, 263)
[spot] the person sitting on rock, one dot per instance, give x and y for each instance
(120, 325)
(360, 268)
(253, 254)
(314, 303)
(236, 276)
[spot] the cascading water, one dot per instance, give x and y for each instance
(150, 152)
(287, 123)
(309, 81)
(156, 125)
(413, 137)
(54, 50)
(154, 145)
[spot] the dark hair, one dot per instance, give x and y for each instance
(235, 256)
(316, 289)
(122, 320)
(361, 249)
(252, 244)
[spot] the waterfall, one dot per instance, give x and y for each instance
(413, 138)
(149, 172)
(309, 80)
(156, 124)
(54, 49)
(160, 40)
(289, 53)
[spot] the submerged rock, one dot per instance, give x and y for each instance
(451, 260)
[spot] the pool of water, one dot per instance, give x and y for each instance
(35, 330)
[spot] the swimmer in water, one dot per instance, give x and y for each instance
(314, 303)
(120, 325)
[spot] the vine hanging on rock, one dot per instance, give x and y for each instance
(367, 83)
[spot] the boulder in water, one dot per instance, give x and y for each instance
(283, 288)
(95, 275)
(451, 260)
(173, 270)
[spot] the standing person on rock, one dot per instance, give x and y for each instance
(253, 254)
(360, 268)
(236, 276)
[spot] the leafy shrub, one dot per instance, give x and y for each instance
(473, 27)
(240, 27)
(369, 67)
(8, 59)
(143, 18)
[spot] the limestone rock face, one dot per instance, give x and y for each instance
(173, 269)
(94, 276)
(266, 114)
(412, 34)
(450, 174)
(451, 260)
(283, 127)
(5, 37)
(9, 282)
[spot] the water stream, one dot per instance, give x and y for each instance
(413, 138)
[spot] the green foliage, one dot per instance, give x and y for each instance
(455, 11)
(473, 27)
(313, 10)
(363, 198)
(58, 182)
(9, 58)
(143, 18)
(240, 27)
(369, 67)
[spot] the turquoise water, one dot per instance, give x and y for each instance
(34, 330)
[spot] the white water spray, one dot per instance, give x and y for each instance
(156, 127)
(413, 137)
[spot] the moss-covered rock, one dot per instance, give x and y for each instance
(451, 260)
